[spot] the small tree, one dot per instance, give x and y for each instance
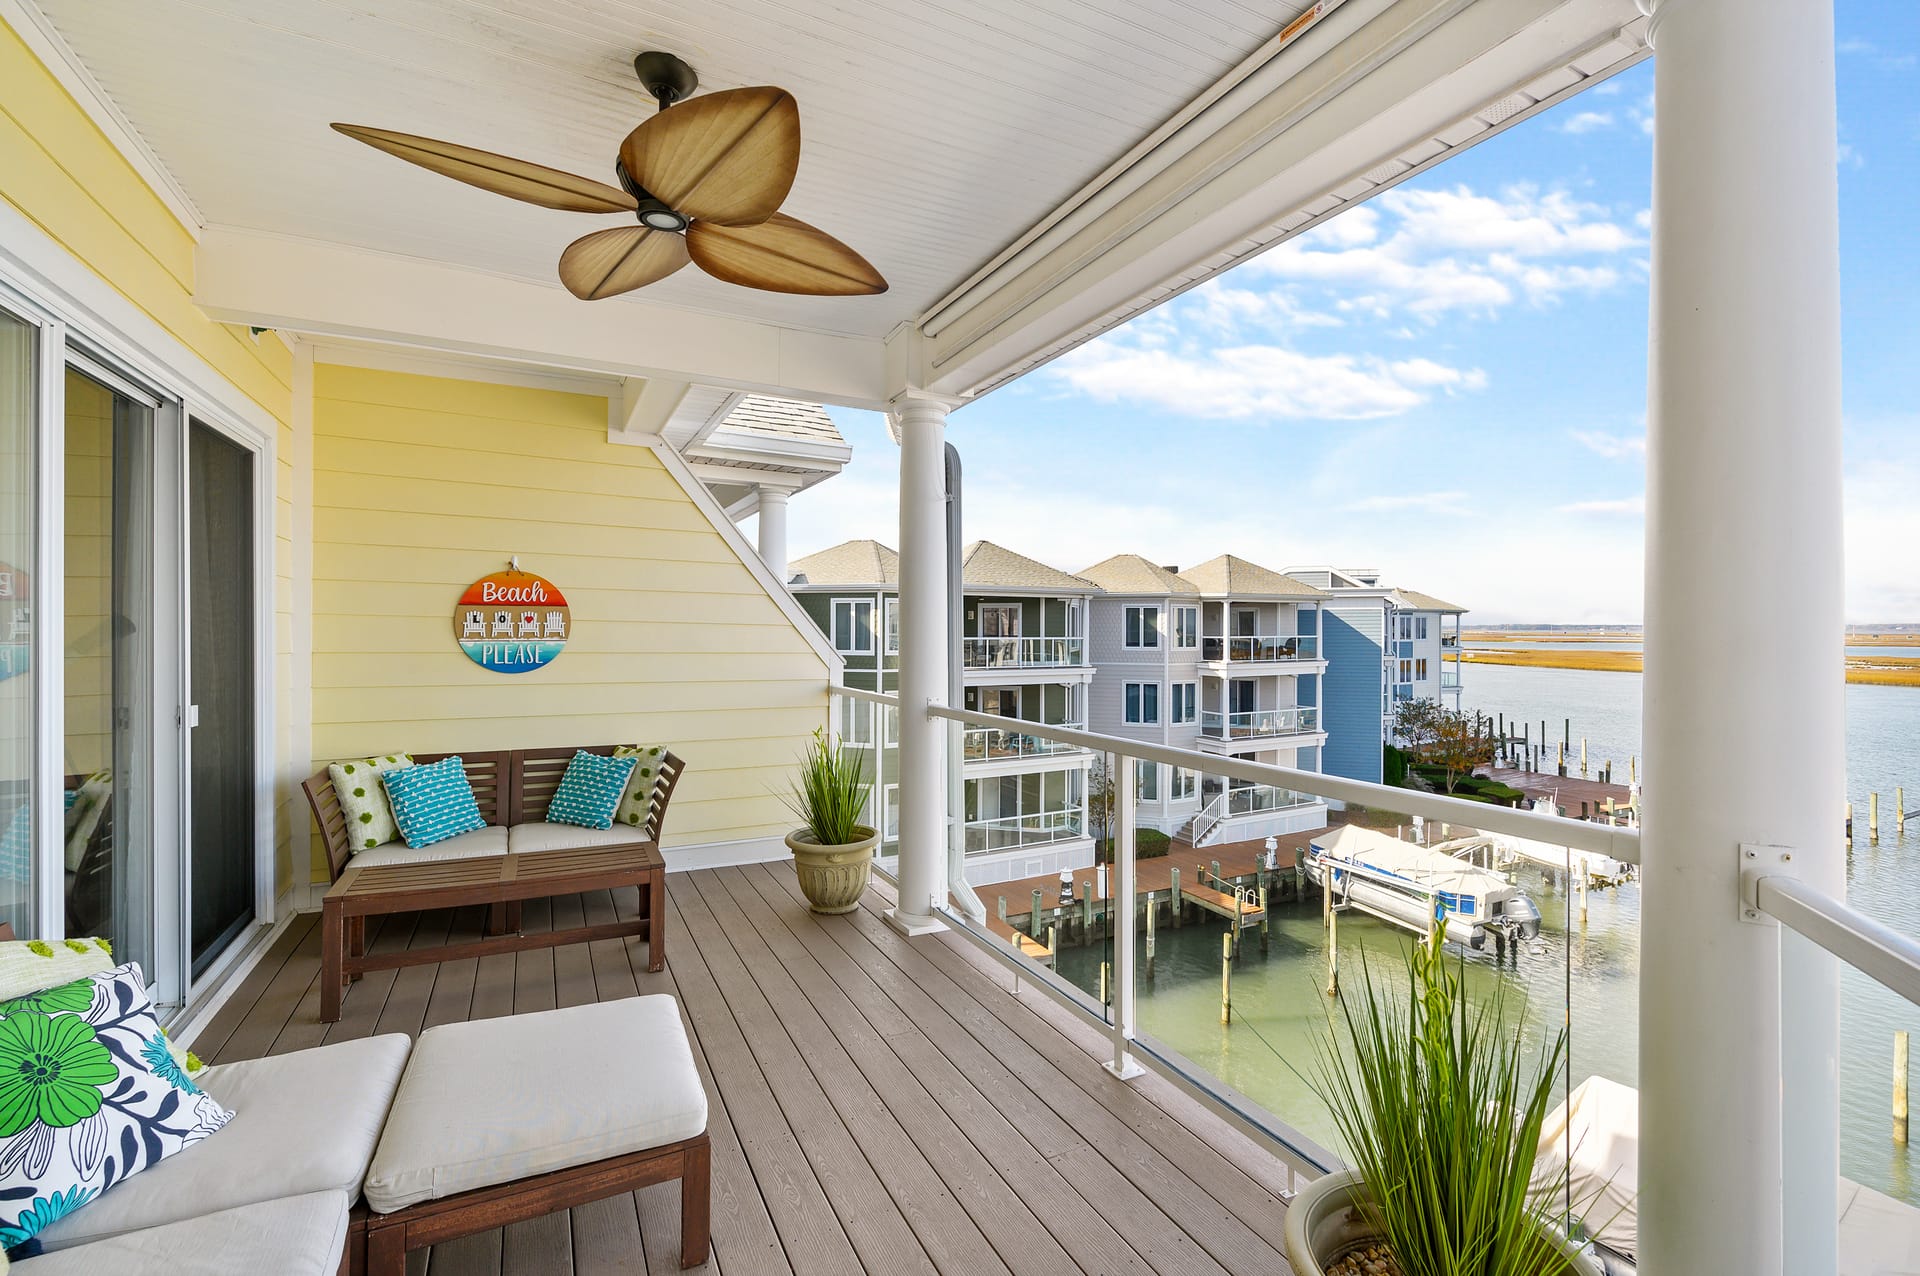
(1443, 738)
(1100, 800)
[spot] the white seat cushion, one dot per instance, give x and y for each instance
(491, 840)
(502, 1099)
(303, 1122)
(292, 1236)
(525, 839)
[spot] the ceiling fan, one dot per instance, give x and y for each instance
(705, 176)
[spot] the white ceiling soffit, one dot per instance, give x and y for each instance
(700, 413)
(934, 133)
(1375, 92)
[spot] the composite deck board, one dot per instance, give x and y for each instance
(875, 1103)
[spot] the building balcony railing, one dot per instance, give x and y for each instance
(1022, 653)
(997, 744)
(1449, 680)
(1012, 832)
(1260, 648)
(1260, 799)
(1260, 723)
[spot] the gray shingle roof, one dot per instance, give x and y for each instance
(785, 418)
(850, 563)
(985, 565)
(1132, 574)
(1413, 600)
(1230, 577)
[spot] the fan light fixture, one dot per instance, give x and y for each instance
(705, 177)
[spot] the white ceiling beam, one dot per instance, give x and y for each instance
(705, 429)
(1411, 71)
(328, 290)
(646, 405)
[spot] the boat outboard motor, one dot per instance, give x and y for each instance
(1520, 913)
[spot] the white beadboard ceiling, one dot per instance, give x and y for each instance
(934, 133)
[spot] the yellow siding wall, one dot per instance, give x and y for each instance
(88, 744)
(63, 174)
(422, 485)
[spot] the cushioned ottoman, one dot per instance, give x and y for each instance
(303, 1122)
(293, 1236)
(499, 1120)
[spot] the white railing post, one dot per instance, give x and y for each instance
(1738, 1032)
(923, 663)
(1120, 920)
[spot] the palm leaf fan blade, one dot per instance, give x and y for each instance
(500, 174)
(783, 254)
(728, 158)
(610, 262)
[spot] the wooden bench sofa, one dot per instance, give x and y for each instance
(517, 857)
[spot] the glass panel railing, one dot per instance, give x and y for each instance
(1259, 723)
(1261, 647)
(996, 744)
(1012, 832)
(1022, 653)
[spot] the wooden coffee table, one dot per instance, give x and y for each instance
(499, 881)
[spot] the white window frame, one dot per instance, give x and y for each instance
(1419, 668)
(1185, 702)
(1419, 627)
(1134, 704)
(1185, 784)
(1136, 634)
(1186, 627)
(891, 608)
(853, 630)
(1406, 671)
(1146, 781)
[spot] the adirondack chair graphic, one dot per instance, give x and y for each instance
(556, 625)
(529, 625)
(474, 626)
(502, 624)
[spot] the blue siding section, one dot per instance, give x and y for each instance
(1307, 689)
(1352, 641)
(1309, 620)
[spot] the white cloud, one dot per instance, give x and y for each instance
(1612, 446)
(1429, 253)
(1253, 381)
(1451, 504)
(1587, 122)
(1607, 88)
(1619, 507)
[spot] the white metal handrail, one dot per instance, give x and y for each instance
(1259, 648)
(1022, 653)
(1873, 948)
(1257, 723)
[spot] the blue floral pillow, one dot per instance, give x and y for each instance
(89, 1094)
(590, 790)
(432, 803)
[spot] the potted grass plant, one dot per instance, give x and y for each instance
(1440, 1105)
(832, 850)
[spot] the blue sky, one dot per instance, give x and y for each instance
(1448, 383)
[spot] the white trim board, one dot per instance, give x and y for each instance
(46, 43)
(754, 850)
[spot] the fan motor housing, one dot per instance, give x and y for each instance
(665, 76)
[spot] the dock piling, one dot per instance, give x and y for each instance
(1226, 979)
(1033, 922)
(1263, 921)
(1900, 1087)
(1173, 898)
(1583, 757)
(1151, 910)
(1330, 917)
(1106, 993)
(1086, 912)
(1873, 818)
(1899, 812)
(1583, 898)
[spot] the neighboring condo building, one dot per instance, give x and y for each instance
(1023, 656)
(1383, 645)
(1222, 658)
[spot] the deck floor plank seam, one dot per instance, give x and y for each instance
(214, 1034)
(901, 1163)
(979, 1154)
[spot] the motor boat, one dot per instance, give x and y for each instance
(1415, 886)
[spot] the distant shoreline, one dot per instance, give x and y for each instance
(1869, 671)
(1604, 633)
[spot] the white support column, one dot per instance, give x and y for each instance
(773, 530)
(923, 662)
(1744, 740)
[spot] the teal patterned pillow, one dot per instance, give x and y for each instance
(638, 798)
(432, 803)
(89, 1095)
(590, 790)
(362, 799)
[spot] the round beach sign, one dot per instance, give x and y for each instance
(512, 622)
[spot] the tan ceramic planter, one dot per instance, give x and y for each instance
(833, 878)
(1324, 1222)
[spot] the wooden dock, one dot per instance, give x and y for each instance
(1577, 798)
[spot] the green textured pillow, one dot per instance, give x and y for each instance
(32, 965)
(639, 791)
(363, 798)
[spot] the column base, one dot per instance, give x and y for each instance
(1125, 1071)
(913, 924)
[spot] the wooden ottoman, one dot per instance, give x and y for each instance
(500, 1120)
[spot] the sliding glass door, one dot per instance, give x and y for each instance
(109, 682)
(19, 392)
(221, 715)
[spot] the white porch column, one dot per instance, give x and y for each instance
(773, 530)
(923, 662)
(1744, 631)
